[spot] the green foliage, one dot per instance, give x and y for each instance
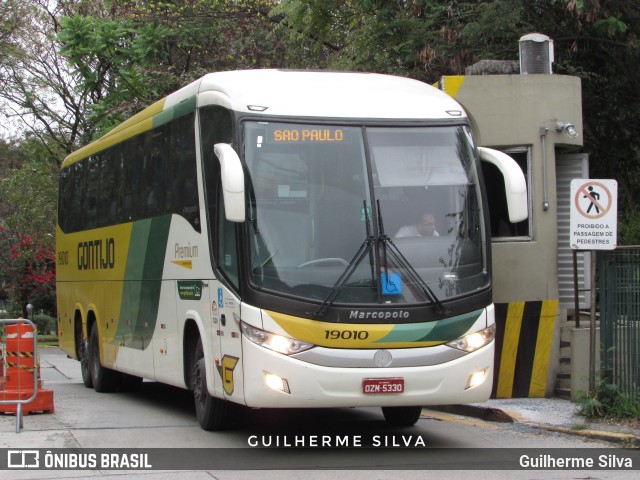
(608, 401)
(111, 55)
(28, 208)
(420, 39)
(629, 227)
(149, 49)
(44, 324)
(29, 200)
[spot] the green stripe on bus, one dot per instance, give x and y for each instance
(438, 331)
(183, 108)
(143, 282)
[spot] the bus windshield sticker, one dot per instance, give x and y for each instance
(391, 284)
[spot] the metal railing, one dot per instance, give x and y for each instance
(619, 286)
(18, 401)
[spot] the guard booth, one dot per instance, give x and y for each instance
(536, 118)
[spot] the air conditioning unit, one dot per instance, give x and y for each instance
(536, 54)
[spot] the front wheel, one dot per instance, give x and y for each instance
(212, 413)
(401, 416)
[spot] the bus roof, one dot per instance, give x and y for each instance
(297, 93)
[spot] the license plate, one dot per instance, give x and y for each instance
(373, 386)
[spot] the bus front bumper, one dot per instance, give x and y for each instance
(272, 380)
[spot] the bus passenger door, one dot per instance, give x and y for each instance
(228, 360)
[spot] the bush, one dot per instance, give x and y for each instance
(608, 401)
(44, 323)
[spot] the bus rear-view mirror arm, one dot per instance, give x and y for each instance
(232, 177)
(515, 184)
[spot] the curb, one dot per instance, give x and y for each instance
(624, 439)
(492, 414)
(489, 414)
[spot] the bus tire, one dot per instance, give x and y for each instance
(401, 416)
(104, 379)
(212, 413)
(83, 356)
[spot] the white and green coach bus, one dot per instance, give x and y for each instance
(241, 238)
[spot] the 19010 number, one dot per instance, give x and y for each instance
(346, 334)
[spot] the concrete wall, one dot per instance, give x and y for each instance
(513, 111)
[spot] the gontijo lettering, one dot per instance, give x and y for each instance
(308, 135)
(97, 254)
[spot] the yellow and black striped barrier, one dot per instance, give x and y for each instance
(523, 348)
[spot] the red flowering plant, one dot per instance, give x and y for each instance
(27, 270)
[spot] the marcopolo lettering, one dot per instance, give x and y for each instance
(97, 254)
(379, 315)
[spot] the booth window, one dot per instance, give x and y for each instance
(501, 228)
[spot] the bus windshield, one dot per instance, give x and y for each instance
(364, 214)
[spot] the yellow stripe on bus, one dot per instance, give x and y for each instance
(137, 124)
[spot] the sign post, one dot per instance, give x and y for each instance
(593, 223)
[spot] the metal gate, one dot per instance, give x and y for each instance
(619, 287)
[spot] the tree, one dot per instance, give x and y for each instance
(153, 48)
(38, 90)
(596, 40)
(27, 224)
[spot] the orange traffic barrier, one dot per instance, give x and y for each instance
(21, 363)
(1, 365)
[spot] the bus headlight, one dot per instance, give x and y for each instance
(273, 341)
(474, 341)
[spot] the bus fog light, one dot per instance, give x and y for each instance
(276, 383)
(476, 379)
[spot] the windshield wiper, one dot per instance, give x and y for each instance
(403, 263)
(348, 271)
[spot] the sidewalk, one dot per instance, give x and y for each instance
(551, 414)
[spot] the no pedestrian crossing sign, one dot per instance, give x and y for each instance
(593, 215)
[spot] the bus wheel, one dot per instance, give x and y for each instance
(401, 416)
(212, 413)
(104, 379)
(83, 356)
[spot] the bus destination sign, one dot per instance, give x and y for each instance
(293, 135)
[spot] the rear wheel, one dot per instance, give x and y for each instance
(212, 413)
(104, 379)
(401, 416)
(83, 356)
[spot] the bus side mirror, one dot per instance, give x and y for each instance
(232, 177)
(515, 185)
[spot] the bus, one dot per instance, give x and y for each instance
(240, 238)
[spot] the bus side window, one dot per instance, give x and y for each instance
(227, 255)
(216, 127)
